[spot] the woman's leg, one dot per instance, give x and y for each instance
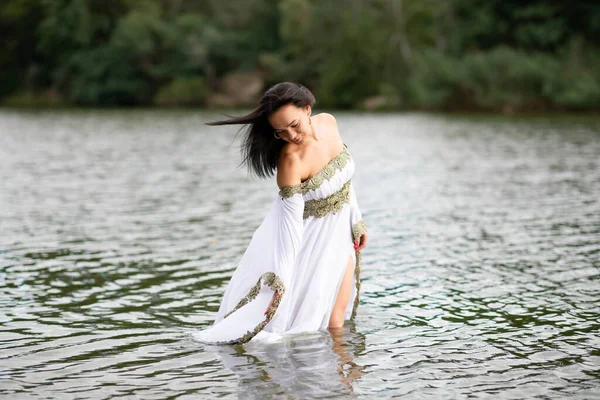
(336, 319)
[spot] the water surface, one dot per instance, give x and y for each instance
(120, 229)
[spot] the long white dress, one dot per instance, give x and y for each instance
(297, 257)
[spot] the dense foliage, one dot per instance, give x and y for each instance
(425, 54)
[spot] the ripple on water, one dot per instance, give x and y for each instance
(119, 231)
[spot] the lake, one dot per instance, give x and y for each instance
(119, 230)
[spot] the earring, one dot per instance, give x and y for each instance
(276, 135)
(309, 120)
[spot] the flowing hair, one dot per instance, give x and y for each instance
(260, 149)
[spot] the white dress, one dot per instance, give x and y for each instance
(297, 256)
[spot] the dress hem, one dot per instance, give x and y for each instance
(275, 283)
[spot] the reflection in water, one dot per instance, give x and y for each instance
(308, 365)
(348, 344)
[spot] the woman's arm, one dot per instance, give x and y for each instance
(288, 170)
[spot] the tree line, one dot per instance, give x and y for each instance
(504, 55)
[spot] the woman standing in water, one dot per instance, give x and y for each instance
(297, 272)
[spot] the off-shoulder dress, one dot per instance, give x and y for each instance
(297, 258)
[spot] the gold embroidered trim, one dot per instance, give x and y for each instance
(313, 183)
(357, 278)
(358, 229)
(275, 283)
(289, 191)
(321, 207)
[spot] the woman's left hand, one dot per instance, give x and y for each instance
(360, 244)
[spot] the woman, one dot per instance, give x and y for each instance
(297, 272)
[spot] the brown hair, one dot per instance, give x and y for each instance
(260, 149)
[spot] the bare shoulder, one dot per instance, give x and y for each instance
(288, 169)
(327, 118)
(331, 130)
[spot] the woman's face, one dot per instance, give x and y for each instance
(291, 123)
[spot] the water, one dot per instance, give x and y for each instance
(120, 229)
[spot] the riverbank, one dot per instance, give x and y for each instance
(49, 101)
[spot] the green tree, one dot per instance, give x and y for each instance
(18, 59)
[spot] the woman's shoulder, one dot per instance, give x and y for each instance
(326, 118)
(288, 168)
(331, 131)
